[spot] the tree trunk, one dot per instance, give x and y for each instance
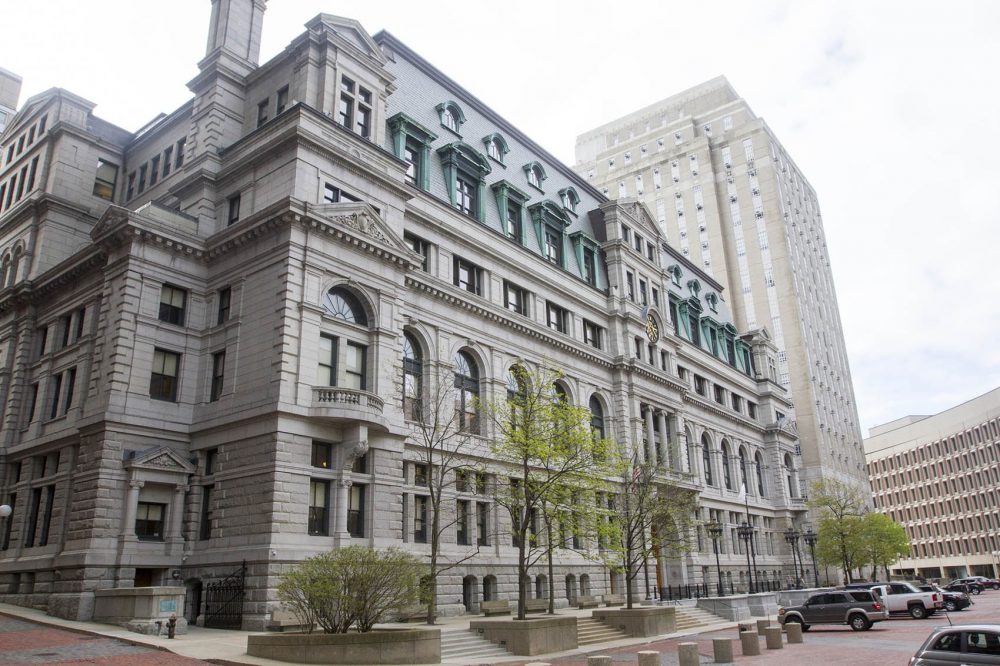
(552, 580)
(522, 580)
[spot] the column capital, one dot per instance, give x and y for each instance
(135, 485)
(344, 483)
(181, 488)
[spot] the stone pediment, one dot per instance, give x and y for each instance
(160, 459)
(359, 219)
(350, 31)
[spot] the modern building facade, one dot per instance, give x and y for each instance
(218, 334)
(727, 196)
(939, 477)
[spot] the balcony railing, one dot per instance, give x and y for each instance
(345, 404)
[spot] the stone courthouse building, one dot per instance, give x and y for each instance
(215, 332)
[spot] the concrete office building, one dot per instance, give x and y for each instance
(10, 91)
(216, 332)
(939, 477)
(728, 197)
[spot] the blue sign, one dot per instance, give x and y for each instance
(168, 605)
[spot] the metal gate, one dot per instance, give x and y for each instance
(224, 601)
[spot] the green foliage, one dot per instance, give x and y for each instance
(350, 586)
(840, 536)
(884, 540)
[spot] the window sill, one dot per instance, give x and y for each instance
(451, 131)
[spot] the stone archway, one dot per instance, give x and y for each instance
(470, 594)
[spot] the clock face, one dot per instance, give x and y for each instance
(652, 332)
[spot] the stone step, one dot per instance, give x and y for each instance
(469, 647)
(590, 631)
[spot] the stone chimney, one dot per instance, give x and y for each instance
(236, 28)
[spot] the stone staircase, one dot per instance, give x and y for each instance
(692, 618)
(468, 647)
(590, 631)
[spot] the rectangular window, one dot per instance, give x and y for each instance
(142, 178)
(752, 410)
(205, 522)
(322, 455)
(179, 160)
(332, 194)
(149, 521)
(700, 385)
(482, 523)
(420, 477)
(262, 112)
(642, 292)
(34, 503)
(720, 395)
(218, 375)
(589, 266)
(129, 190)
(66, 326)
(364, 113)
(553, 246)
(234, 209)
(355, 366)
(281, 101)
(468, 276)
(345, 111)
(466, 194)
(737, 402)
(356, 510)
(514, 298)
(420, 246)
(420, 519)
(656, 297)
(637, 342)
(664, 360)
(81, 315)
(172, 304)
(70, 386)
(555, 317)
(42, 337)
(163, 379)
(105, 180)
(154, 170)
(225, 295)
(514, 229)
(210, 459)
(55, 389)
(412, 150)
(319, 507)
(462, 522)
(591, 334)
(630, 286)
(32, 401)
(327, 373)
(168, 154)
(639, 242)
(50, 496)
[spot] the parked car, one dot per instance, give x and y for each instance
(953, 601)
(971, 644)
(965, 585)
(903, 597)
(990, 583)
(859, 609)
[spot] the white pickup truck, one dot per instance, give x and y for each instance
(901, 597)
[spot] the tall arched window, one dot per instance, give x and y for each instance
(759, 459)
(743, 469)
(466, 392)
(789, 470)
(343, 352)
(596, 417)
(727, 475)
(559, 392)
(344, 305)
(413, 372)
(706, 459)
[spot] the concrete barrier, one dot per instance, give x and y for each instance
(649, 658)
(750, 643)
(722, 650)
(599, 660)
(687, 654)
(762, 625)
(794, 631)
(772, 638)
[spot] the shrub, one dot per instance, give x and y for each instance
(348, 586)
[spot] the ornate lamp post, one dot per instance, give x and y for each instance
(792, 537)
(810, 539)
(715, 531)
(745, 532)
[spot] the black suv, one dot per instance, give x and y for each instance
(965, 585)
(953, 601)
(858, 608)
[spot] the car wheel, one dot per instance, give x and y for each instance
(859, 622)
(950, 606)
(805, 627)
(918, 612)
(976, 590)
(996, 586)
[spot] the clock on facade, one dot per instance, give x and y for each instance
(652, 331)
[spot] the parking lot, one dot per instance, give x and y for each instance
(891, 642)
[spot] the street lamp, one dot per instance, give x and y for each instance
(745, 533)
(792, 537)
(5, 510)
(715, 531)
(810, 538)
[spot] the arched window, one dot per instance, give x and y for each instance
(535, 173)
(743, 469)
(727, 475)
(559, 392)
(15, 266)
(413, 372)
(706, 459)
(570, 199)
(344, 305)
(451, 116)
(596, 417)
(466, 392)
(789, 471)
(759, 460)
(4, 269)
(496, 147)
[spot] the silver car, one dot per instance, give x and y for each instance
(962, 644)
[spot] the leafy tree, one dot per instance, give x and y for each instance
(884, 541)
(355, 585)
(651, 515)
(840, 507)
(552, 455)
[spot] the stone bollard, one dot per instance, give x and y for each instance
(751, 643)
(599, 660)
(772, 638)
(649, 658)
(687, 654)
(762, 625)
(722, 650)
(794, 631)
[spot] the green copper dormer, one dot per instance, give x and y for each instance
(510, 204)
(550, 222)
(411, 142)
(465, 171)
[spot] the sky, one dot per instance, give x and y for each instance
(890, 109)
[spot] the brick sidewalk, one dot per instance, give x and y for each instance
(29, 643)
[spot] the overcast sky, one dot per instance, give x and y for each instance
(889, 108)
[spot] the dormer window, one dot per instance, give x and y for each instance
(496, 147)
(451, 116)
(570, 199)
(535, 173)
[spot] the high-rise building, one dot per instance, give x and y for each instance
(938, 476)
(219, 335)
(10, 91)
(728, 197)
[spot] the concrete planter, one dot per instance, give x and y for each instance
(734, 608)
(541, 635)
(639, 622)
(382, 646)
(764, 604)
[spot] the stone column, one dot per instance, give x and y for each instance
(340, 517)
(683, 445)
(131, 506)
(670, 457)
(647, 415)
